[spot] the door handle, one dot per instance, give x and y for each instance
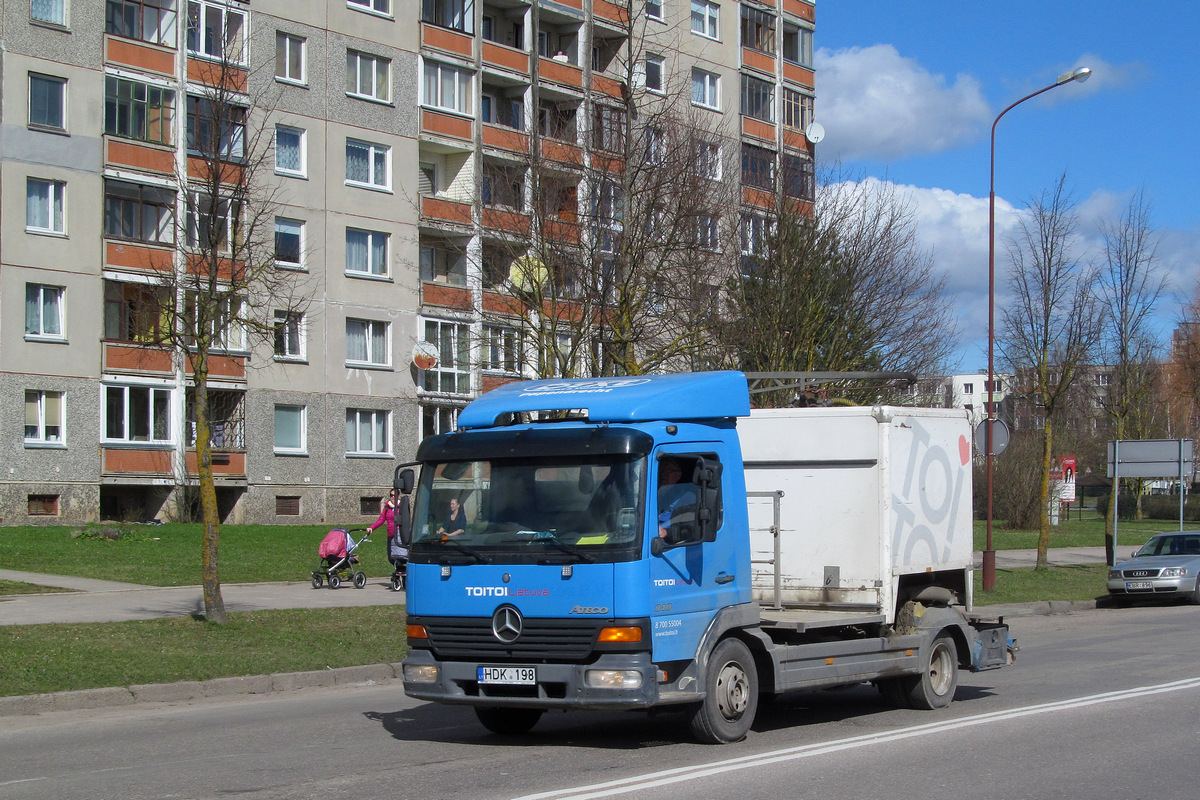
(724, 578)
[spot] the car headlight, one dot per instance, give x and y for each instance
(1173, 572)
(1114, 574)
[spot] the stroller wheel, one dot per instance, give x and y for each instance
(397, 583)
(317, 580)
(334, 581)
(360, 580)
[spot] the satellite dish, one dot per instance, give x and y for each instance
(815, 132)
(425, 355)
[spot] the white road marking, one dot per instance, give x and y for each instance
(689, 773)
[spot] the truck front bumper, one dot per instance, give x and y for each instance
(614, 681)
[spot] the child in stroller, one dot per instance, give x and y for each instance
(338, 560)
(394, 512)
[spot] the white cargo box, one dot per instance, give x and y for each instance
(863, 496)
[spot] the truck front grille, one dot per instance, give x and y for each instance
(472, 638)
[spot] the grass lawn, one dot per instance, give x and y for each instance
(1086, 532)
(1025, 584)
(12, 587)
(55, 658)
(169, 555)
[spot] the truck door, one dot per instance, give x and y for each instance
(690, 578)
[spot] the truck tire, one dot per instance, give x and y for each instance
(935, 686)
(731, 695)
(508, 721)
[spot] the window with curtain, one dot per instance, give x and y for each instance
(44, 417)
(452, 375)
(47, 101)
(44, 311)
(368, 76)
(366, 252)
(289, 150)
(367, 342)
(52, 11)
(44, 203)
(289, 336)
(447, 87)
(368, 165)
(366, 431)
(290, 429)
(289, 57)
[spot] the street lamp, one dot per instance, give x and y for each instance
(989, 555)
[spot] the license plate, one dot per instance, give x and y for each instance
(1131, 586)
(511, 676)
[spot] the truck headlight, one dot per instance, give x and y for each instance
(613, 678)
(420, 673)
(1174, 572)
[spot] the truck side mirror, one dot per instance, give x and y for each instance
(403, 480)
(707, 476)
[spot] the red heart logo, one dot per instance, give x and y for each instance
(964, 450)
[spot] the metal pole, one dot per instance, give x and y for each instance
(1116, 487)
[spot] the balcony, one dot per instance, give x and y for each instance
(798, 74)
(136, 155)
(441, 294)
(134, 255)
(139, 55)
(758, 60)
(448, 125)
(758, 129)
(563, 73)
(446, 212)
(509, 58)
(504, 138)
(446, 40)
(801, 9)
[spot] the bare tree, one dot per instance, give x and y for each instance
(847, 287)
(1051, 326)
(223, 291)
(1129, 290)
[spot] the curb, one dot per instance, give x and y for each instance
(369, 675)
(116, 696)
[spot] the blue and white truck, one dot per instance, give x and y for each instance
(812, 548)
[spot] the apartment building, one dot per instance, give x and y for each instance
(401, 134)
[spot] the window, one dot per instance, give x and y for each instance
(608, 128)
(758, 167)
(797, 109)
(138, 111)
(289, 57)
(368, 76)
(134, 312)
(707, 158)
(47, 101)
(216, 31)
(367, 342)
(654, 9)
(498, 109)
(501, 186)
(366, 252)
(221, 316)
(502, 348)
(755, 235)
(146, 20)
(378, 6)
(366, 431)
(137, 414)
(226, 420)
(290, 429)
(706, 89)
(139, 213)
(758, 99)
(610, 202)
(290, 156)
(705, 18)
(43, 417)
(211, 222)
(968, 388)
(447, 88)
(52, 11)
(1102, 379)
(798, 45)
(368, 165)
(798, 178)
(289, 336)
(444, 263)
(287, 505)
(44, 204)
(438, 419)
(452, 375)
(453, 14)
(41, 505)
(44, 311)
(289, 243)
(758, 29)
(656, 145)
(557, 120)
(654, 73)
(215, 128)
(706, 231)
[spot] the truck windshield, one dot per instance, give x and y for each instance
(545, 510)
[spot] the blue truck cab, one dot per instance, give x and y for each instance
(599, 557)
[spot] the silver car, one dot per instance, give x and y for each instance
(1167, 566)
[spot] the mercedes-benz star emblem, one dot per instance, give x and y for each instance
(506, 624)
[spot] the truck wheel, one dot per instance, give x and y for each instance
(935, 686)
(508, 721)
(731, 696)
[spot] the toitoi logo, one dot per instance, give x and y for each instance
(504, 591)
(589, 610)
(671, 582)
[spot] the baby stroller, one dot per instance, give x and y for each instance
(338, 560)
(398, 556)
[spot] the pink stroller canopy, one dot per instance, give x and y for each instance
(334, 544)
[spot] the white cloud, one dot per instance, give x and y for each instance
(876, 104)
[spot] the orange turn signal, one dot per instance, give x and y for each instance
(417, 632)
(631, 634)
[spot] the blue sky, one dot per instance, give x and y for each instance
(907, 93)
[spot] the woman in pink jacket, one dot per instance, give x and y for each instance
(387, 515)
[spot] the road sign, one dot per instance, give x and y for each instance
(1150, 458)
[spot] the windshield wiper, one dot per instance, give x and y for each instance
(566, 548)
(462, 548)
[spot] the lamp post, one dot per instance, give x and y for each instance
(989, 555)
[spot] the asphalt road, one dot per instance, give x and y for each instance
(1101, 704)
